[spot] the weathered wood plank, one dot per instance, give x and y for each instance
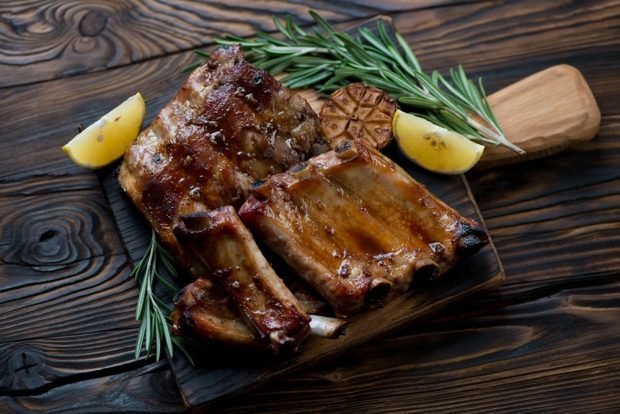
(66, 296)
(149, 389)
(44, 116)
(38, 363)
(516, 360)
(559, 221)
(45, 301)
(584, 35)
(48, 184)
(48, 40)
(504, 42)
(56, 229)
(545, 355)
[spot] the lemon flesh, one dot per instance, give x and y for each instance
(433, 147)
(107, 139)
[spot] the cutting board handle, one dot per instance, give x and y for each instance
(543, 114)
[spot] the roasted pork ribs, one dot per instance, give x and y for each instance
(349, 222)
(227, 249)
(357, 227)
(229, 125)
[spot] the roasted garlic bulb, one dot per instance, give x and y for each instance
(356, 112)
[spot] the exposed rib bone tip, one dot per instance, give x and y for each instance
(470, 243)
(281, 343)
(327, 327)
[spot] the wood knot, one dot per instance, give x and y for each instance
(22, 368)
(54, 231)
(50, 244)
(93, 23)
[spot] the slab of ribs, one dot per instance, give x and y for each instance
(225, 176)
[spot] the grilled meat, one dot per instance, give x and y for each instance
(204, 311)
(330, 231)
(227, 249)
(229, 124)
(402, 204)
(350, 222)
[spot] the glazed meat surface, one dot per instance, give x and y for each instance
(355, 226)
(229, 124)
(403, 205)
(226, 247)
(203, 310)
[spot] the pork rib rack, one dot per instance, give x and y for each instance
(229, 125)
(357, 227)
(350, 222)
(228, 250)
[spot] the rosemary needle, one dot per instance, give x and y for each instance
(151, 310)
(327, 59)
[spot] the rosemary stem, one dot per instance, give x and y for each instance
(151, 310)
(498, 138)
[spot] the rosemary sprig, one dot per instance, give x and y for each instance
(328, 59)
(151, 310)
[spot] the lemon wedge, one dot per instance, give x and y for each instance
(107, 139)
(433, 147)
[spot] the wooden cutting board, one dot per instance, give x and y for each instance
(543, 113)
(218, 374)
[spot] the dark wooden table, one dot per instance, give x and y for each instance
(547, 341)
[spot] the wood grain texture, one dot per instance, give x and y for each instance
(515, 360)
(44, 116)
(39, 362)
(543, 114)
(422, 366)
(66, 296)
(505, 41)
(72, 37)
(149, 389)
(565, 209)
